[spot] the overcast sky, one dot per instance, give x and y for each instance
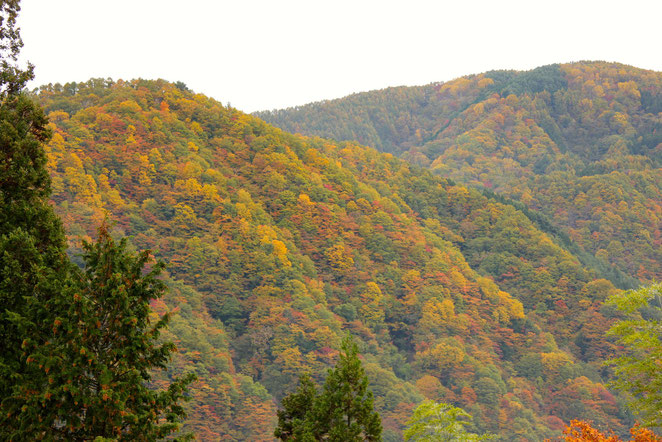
(266, 54)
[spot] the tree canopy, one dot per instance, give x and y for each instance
(433, 421)
(79, 346)
(342, 411)
(637, 369)
(87, 374)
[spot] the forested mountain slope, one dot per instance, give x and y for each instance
(581, 143)
(278, 244)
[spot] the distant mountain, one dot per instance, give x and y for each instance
(580, 143)
(278, 244)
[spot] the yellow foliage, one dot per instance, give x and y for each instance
(630, 87)
(55, 151)
(620, 121)
(143, 179)
(184, 216)
(304, 200)
(291, 361)
(440, 357)
(280, 251)
(155, 156)
(436, 313)
(130, 106)
(372, 310)
(58, 116)
(195, 127)
(109, 195)
(485, 82)
(266, 233)
(243, 211)
(338, 257)
(372, 293)
(554, 361)
(512, 100)
(479, 109)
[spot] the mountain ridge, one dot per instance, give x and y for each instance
(277, 244)
(594, 125)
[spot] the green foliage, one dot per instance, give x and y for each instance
(78, 346)
(31, 236)
(434, 421)
(544, 78)
(577, 143)
(12, 77)
(343, 411)
(638, 371)
(279, 244)
(295, 419)
(32, 260)
(88, 371)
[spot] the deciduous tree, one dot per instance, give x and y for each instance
(638, 370)
(434, 421)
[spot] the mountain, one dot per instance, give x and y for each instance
(278, 244)
(580, 143)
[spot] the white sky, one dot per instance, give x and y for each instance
(266, 54)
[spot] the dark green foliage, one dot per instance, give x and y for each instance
(88, 370)
(77, 346)
(343, 411)
(181, 86)
(295, 417)
(380, 130)
(229, 310)
(544, 78)
(32, 259)
(543, 222)
(12, 77)
(651, 102)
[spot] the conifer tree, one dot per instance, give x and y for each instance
(12, 77)
(97, 355)
(295, 418)
(343, 411)
(77, 346)
(345, 408)
(32, 244)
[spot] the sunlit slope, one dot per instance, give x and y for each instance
(581, 143)
(278, 244)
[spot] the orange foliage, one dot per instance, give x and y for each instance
(581, 431)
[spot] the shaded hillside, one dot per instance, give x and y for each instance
(581, 143)
(277, 244)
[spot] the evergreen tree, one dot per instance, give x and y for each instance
(32, 258)
(343, 411)
(33, 264)
(12, 77)
(87, 372)
(77, 346)
(295, 417)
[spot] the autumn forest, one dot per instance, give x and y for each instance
(474, 238)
